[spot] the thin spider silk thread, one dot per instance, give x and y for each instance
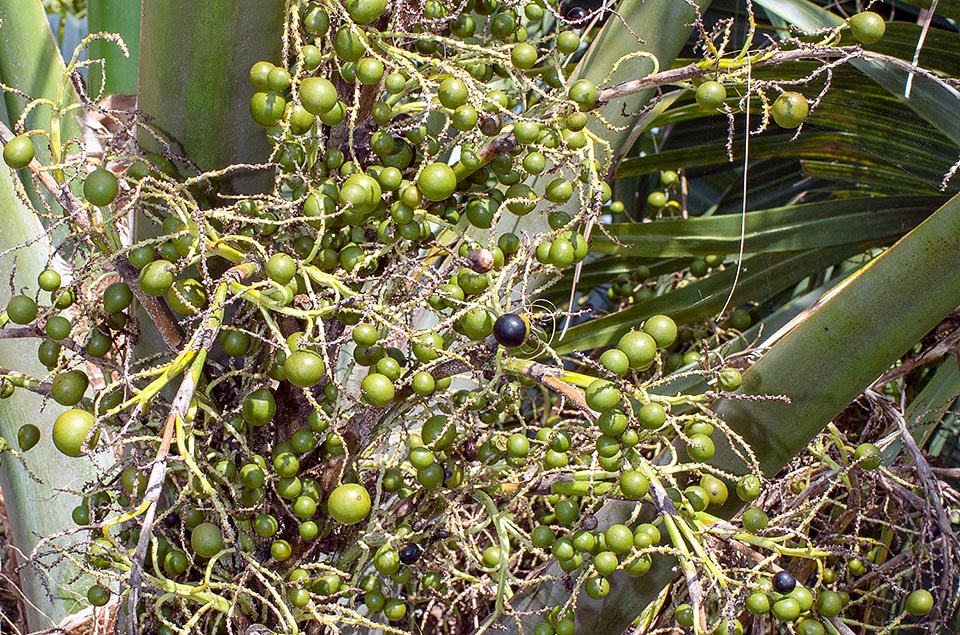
(743, 209)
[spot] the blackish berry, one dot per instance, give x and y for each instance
(784, 582)
(589, 522)
(510, 330)
(409, 553)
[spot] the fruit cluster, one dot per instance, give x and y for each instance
(355, 421)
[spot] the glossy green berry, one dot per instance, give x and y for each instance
(602, 395)
(349, 503)
(98, 595)
(206, 540)
(829, 603)
(117, 297)
(758, 603)
(919, 602)
(810, 626)
(304, 368)
(584, 92)
(867, 27)
(640, 348)
(633, 484)
(790, 110)
(28, 436)
(377, 390)
(786, 609)
(729, 379)
(18, 153)
(700, 447)
(437, 181)
(49, 280)
(21, 309)
(70, 430)
(868, 455)
(710, 95)
(101, 187)
(754, 519)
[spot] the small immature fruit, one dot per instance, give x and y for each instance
(187, 296)
(304, 368)
(156, 278)
(437, 182)
(919, 602)
(684, 615)
(259, 407)
(366, 11)
(602, 395)
(58, 328)
(652, 416)
(206, 540)
(597, 587)
(729, 379)
(19, 152)
(68, 388)
(21, 309)
(584, 92)
(700, 447)
(281, 268)
(453, 92)
(606, 562)
(377, 389)
(710, 95)
(100, 187)
(790, 110)
(758, 603)
(349, 503)
(70, 429)
(716, 489)
(786, 609)
(657, 200)
(235, 343)
(616, 361)
(362, 192)
(810, 626)
(260, 73)
(98, 595)
(867, 27)
(869, 456)
(267, 108)
(568, 42)
(511, 330)
(829, 603)
(748, 488)
(28, 436)
(117, 297)
(491, 556)
(523, 55)
(49, 280)
(803, 596)
(755, 519)
(318, 95)
(633, 484)
(640, 348)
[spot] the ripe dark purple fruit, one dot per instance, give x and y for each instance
(511, 330)
(410, 553)
(784, 582)
(576, 14)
